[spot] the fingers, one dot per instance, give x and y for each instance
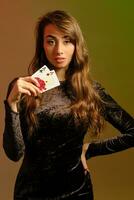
(31, 80)
(24, 85)
(83, 158)
(28, 85)
(84, 162)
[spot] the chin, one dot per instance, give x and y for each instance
(60, 66)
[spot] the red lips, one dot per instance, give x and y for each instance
(59, 59)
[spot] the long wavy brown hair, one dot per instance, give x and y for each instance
(87, 103)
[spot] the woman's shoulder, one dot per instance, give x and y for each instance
(97, 85)
(102, 91)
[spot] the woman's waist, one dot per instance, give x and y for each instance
(51, 165)
(59, 161)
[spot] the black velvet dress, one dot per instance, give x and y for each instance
(51, 168)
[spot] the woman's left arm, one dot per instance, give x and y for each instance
(121, 120)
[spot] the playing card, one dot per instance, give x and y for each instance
(51, 80)
(41, 71)
(47, 79)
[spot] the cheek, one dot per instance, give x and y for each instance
(47, 51)
(71, 51)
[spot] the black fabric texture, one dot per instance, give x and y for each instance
(51, 167)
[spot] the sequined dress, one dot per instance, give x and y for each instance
(51, 168)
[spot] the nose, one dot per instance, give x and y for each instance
(59, 48)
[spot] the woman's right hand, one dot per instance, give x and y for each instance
(23, 85)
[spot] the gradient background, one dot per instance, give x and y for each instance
(108, 26)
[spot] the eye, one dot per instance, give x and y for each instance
(67, 41)
(51, 42)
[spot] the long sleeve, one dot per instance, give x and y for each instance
(121, 120)
(13, 142)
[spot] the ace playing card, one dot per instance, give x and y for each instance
(47, 79)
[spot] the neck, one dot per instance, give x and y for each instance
(60, 74)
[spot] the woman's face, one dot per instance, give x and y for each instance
(58, 47)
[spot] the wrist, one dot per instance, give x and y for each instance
(13, 105)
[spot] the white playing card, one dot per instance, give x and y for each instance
(40, 72)
(47, 79)
(51, 80)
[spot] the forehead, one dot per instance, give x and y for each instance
(53, 30)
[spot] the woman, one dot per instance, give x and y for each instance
(48, 128)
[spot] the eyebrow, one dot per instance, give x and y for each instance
(52, 36)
